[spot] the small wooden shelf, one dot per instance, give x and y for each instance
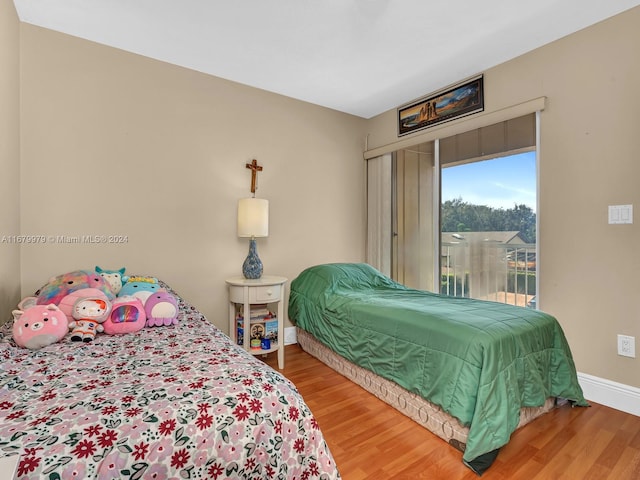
(245, 293)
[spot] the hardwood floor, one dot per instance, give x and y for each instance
(371, 440)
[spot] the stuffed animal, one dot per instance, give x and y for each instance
(161, 309)
(88, 314)
(68, 302)
(62, 285)
(38, 326)
(141, 287)
(127, 316)
(114, 278)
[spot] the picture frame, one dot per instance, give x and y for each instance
(455, 102)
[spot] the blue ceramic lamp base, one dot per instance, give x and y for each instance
(252, 266)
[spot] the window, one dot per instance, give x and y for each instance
(456, 259)
(488, 229)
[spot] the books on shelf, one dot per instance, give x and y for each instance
(264, 324)
(258, 313)
(271, 330)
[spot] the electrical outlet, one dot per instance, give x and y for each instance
(627, 346)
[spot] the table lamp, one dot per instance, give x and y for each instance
(253, 221)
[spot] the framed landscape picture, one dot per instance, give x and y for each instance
(455, 102)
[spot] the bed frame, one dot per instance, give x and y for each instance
(423, 412)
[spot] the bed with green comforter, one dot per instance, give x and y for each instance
(480, 361)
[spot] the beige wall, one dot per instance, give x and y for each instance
(589, 159)
(115, 143)
(9, 158)
(118, 144)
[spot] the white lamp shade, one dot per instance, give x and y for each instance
(253, 217)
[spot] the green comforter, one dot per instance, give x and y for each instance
(480, 361)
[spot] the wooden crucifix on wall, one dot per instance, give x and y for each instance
(255, 168)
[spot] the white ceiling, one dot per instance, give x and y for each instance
(362, 57)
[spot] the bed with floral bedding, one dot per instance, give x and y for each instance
(180, 401)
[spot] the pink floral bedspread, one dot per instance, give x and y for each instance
(166, 402)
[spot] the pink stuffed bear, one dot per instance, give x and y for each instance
(39, 326)
(88, 314)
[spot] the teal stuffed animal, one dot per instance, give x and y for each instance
(140, 287)
(115, 278)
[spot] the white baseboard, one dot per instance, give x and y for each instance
(290, 336)
(612, 394)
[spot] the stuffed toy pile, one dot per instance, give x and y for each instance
(85, 303)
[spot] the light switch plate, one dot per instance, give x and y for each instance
(620, 214)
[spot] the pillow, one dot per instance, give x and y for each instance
(332, 276)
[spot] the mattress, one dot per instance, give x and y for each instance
(422, 411)
(178, 401)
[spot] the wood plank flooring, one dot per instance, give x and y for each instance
(371, 440)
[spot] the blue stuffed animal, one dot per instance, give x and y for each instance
(140, 287)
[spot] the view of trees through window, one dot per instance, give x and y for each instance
(460, 216)
(480, 199)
